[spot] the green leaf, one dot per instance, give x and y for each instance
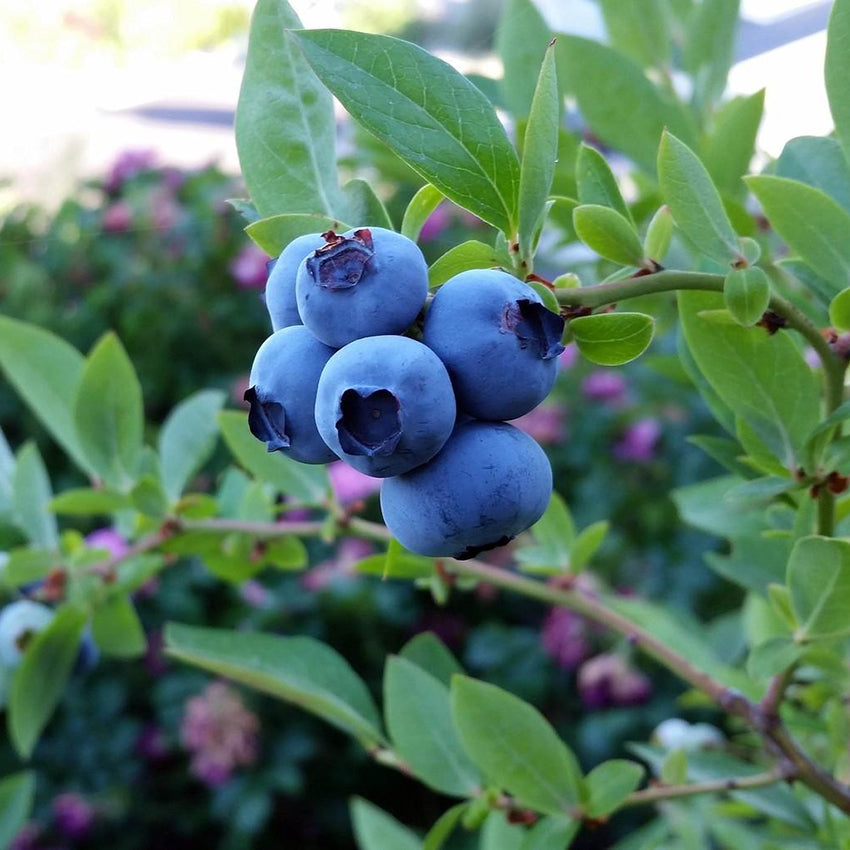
(596, 182)
(814, 225)
(295, 669)
(498, 834)
(762, 378)
(674, 768)
(611, 339)
(374, 829)
(419, 720)
(694, 201)
(551, 833)
(747, 294)
(187, 439)
(521, 39)
(539, 154)
(87, 501)
(149, 498)
(608, 785)
(515, 746)
(441, 831)
(273, 234)
(364, 206)
(17, 791)
(427, 651)
(659, 234)
(586, 543)
(837, 70)
(731, 146)
(31, 498)
(421, 205)
(819, 581)
(818, 161)
(39, 682)
(116, 629)
(761, 490)
(710, 45)
(772, 657)
(27, 564)
(286, 553)
(304, 482)
(44, 370)
(554, 535)
(285, 128)
(639, 29)
(428, 113)
(245, 208)
(404, 565)
(461, 258)
(7, 467)
(108, 413)
(609, 234)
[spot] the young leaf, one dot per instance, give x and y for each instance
(39, 681)
(596, 182)
(515, 746)
(364, 206)
(554, 535)
(374, 829)
(539, 154)
(659, 234)
(746, 293)
(819, 581)
(87, 501)
(839, 310)
(427, 651)
(441, 831)
(608, 785)
(612, 339)
(772, 657)
(710, 46)
(819, 162)
(285, 128)
(730, 147)
(273, 234)
(116, 629)
(694, 202)
(498, 833)
(187, 439)
(586, 544)
(108, 413)
(837, 70)
(404, 565)
(419, 720)
(295, 669)
(427, 112)
(17, 791)
(792, 208)
(639, 28)
(551, 833)
(461, 258)
(31, 498)
(608, 233)
(421, 205)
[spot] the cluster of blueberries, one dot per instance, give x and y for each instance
(339, 379)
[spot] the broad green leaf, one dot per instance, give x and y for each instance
(551, 833)
(747, 294)
(374, 829)
(17, 791)
(659, 234)
(596, 182)
(87, 501)
(839, 310)
(39, 682)
(722, 449)
(273, 234)
(149, 498)
(539, 154)
(441, 831)
(461, 258)
(674, 768)
(762, 378)
(772, 657)
(818, 285)
(515, 746)
(44, 370)
(761, 490)
(611, 339)
(608, 233)
(521, 39)
(608, 785)
(819, 581)
(295, 669)
(704, 506)
(7, 466)
(421, 205)
(428, 113)
(837, 70)
(108, 413)
(285, 128)
(116, 629)
(498, 834)
(27, 564)
(419, 720)
(694, 202)
(730, 147)
(709, 47)
(554, 534)
(427, 651)
(306, 483)
(586, 543)
(814, 225)
(31, 498)
(286, 553)
(755, 561)
(639, 28)
(245, 208)
(404, 565)
(187, 439)
(818, 161)
(364, 206)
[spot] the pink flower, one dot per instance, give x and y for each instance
(568, 356)
(128, 164)
(164, 209)
(117, 217)
(254, 594)
(220, 732)
(248, 267)
(608, 680)
(435, 224)
(73, 814)
(545, 423)
(604, 385)
(348, 553)
(639, 442)
(109, 539)
(564, 638)
(350, 485)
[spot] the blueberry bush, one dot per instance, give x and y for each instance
(407, 371)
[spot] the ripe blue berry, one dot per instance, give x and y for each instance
(490, 482)
(19, 623)
(385, 404)
(498, 341)
(282, 393)
(280, 287)
(364, 283)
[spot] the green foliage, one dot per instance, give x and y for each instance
(16, 796)
(609, 233)
(609, 784)
(421, 205)
(746, 293)
(461, 258)
(376, 830)
(819, 582)
(274, 233)
(612, 339)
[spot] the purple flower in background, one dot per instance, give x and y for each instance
(545, 423)
(109, 539)
(351, 485)
(151, 744)
(254, 594)
(608, 680)
(164, 209)
(435, 224)
(248, 267)
(564, 638)
(117, 217)
(812, 358)
(220, 732)
(348, 553)
(27, 838)
(127, 165)
(73, 814)
(604, 385)
(568, 356)
(639, 441)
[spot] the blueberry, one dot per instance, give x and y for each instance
(489, 483)
(282, 393)
(498, 341)
(385, 404)
(19, 622)
(280, 287)
(364, 283)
